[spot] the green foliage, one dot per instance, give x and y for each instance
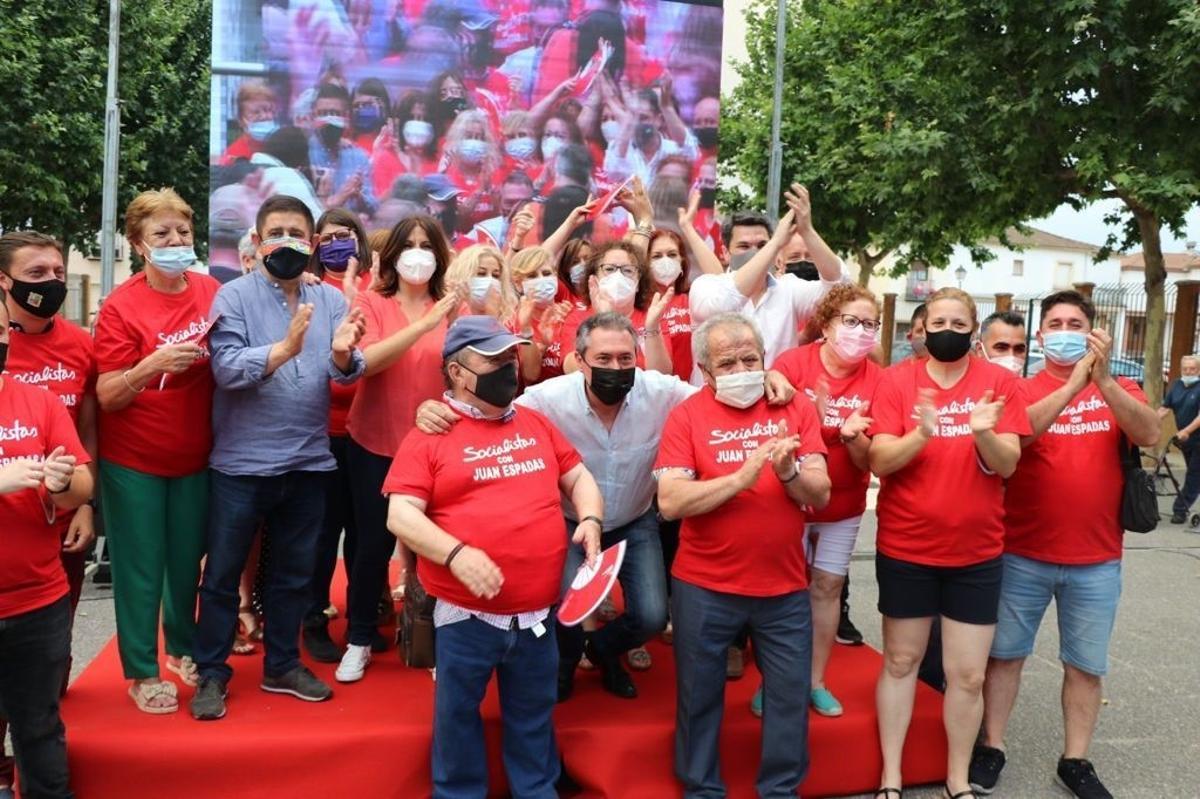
(919, 126)
(53, 68)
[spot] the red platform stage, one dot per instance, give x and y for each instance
(372, 739)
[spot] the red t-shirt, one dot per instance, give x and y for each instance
(167, 430)
(33, 422)
(385, 406)
(469, 477)
(61, 360)
(943, 508)
(1077, 457)
(676, 327)
(752, 545)
(243, 147)
(803, 368)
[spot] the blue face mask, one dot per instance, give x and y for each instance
(1065, 348)
(1189, 380)
(173, 260)
(261, 129)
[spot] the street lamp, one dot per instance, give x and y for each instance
(961, 274)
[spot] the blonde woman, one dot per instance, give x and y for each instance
(471, 161)
(539, 317)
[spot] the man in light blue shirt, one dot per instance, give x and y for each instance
(276, 343)
(329, 153)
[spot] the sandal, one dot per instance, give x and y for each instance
(960, 795)
(886, 792)
(639, 659)
(249, 619)
(185, 667)
(243, 643)
(146, 694)
(668, 634)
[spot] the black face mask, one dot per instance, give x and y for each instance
(330, 135)
(40, 299)
(708, 197)
(947, 346)
(3, 355)
(707, 137)
(498, 388)
(286, 263)
(611, 385)
(643, 134)
(805, 270)
(454, 106)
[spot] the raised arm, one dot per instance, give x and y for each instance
(751, 276)
(702, 255)
(1136, 419)
(829, 266)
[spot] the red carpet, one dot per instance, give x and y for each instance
(372, 739)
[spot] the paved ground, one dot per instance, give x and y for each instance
(1148, 741)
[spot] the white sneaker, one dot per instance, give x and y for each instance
(353, 664)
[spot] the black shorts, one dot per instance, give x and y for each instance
(968, 594)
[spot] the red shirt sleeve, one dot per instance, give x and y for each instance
(1133, 389)
(788, 364)
(117, 347)
(675, 450)
(886, 407)
(413, 469)
(811, 441)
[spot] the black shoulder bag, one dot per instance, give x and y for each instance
(1139, 501)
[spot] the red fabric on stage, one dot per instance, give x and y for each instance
(373, 738)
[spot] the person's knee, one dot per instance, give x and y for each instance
(901, 663)
(826, 587)
(1075, 676)
(967, 679)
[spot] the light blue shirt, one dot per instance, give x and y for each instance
(622, 459)
(266, 425)
(350, 159)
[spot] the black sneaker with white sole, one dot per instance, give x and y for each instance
(847, 633)
(1078, 776)
(300, 683)
(986, 764)
(208, 703)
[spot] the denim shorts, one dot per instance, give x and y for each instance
(1086, 599)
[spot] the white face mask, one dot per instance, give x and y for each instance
(417, 132)
(853, 345)
(541, 289)
(521, 147)
(550, 146)
(481, 287)
(416, 266)
(741, 389)
(577, 272)
(665, 270)
(619, 290)
(611, 130)
(1010, 362)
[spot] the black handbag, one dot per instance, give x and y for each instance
(1139, 500)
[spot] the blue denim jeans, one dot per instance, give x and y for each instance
(525, 664)
(35, 648)
(293, 505)
(706, 624)
(643, 584)
(1085, 596)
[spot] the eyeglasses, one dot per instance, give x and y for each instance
(630, 272)
(851, 322)
(340, 235)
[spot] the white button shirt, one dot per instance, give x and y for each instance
(780, 312)
(622, 459)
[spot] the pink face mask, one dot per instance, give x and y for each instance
(854, 344)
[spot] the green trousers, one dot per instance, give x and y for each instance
(155, 528)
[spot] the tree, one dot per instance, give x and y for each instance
(959, 119)
(53, 66)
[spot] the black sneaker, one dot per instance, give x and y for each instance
(847, 633)
(318, 644)
(208, 703)
(566, 680)
(300, 683)
(1178, 518)
(1079, 777)
(613, 675)
(986, 764)
(380, 642)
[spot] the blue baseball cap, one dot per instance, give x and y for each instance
(482, 334)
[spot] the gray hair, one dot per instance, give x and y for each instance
(700, 339)
(1192, 358)
(246, 247)
(609, 320)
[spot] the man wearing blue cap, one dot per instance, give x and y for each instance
(480, 507)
